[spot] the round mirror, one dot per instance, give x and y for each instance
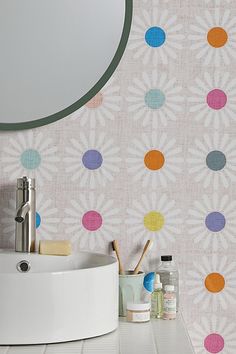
(56, 55)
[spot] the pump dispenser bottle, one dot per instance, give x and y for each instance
(169, 275)
(157, 299)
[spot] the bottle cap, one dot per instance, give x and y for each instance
(167, 258)
(169, 288)
(139, 306)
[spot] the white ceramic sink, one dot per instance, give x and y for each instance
(59, 299)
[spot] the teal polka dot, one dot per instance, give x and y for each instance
(38, 220)
(30, 159)
(155, 98)
(216, 160)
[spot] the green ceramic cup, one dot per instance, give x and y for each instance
(130, 288)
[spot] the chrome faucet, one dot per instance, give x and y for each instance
(25, 215)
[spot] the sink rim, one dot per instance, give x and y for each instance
(26, 256)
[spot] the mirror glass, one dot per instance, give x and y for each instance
(56, 55)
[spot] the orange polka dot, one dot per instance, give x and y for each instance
(154, 160)
(217, 37)
(96, 101)
(214, 282)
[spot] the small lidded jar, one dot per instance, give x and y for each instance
(138, 312)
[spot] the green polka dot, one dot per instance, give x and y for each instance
(30, 159)
(155, 98)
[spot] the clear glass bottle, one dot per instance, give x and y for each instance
(157, 299)
(169, 275)
(169, 311)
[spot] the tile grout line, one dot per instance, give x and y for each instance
(185, 329)
(154, 338)
(118, 329)
(45, 349)
(82, 347)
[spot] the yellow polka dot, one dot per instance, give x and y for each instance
(154, 160)
(154, 221)
(214, 282)
(217, 37)
(96, 101)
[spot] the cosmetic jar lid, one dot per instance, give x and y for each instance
(169, 288)
(138, 307)
(167, 258)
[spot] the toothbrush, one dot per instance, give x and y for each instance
(146, 248)
(115, 247)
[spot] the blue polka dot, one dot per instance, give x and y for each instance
(38, 220)
(92, 159)
(30, 159)
(155, 37)
(154, 98)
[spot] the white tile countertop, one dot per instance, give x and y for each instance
(155, 337)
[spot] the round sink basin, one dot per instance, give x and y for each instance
(51, 299)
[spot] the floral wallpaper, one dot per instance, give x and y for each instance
(152, 155)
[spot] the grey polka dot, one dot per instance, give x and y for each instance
(216, 160)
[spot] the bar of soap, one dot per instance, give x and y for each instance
(55, 248)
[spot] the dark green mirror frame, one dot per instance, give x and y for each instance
(93, 91)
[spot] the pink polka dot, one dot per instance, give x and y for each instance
(214, 343)
(96, 101)
(216, 99)
(92, 220)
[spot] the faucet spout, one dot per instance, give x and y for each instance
(21, 212)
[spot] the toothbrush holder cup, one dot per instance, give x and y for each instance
(130, 288)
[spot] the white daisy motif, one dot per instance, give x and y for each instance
(8, 222)
(213, 160)
(154, 160)
(214, 335)
(92, 221)
(92, 159)
(213, 222)
(103, 106)
(217, 2)
(155, 99)
(46, 219)
(154, 218)
(214, 38)
(212, 283)
(156, 36)
(156, 1)
(214, 100)
(31, 155)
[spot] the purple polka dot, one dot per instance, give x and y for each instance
(92, 220)
(92, 159)
(216, 99)
(214, 343)
(215, 221)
